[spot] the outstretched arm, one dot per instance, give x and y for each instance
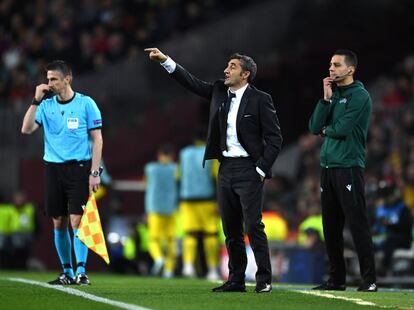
(181, 75)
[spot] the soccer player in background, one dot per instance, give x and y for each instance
(161, 196)
(198, 207)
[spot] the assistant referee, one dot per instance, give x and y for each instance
(342, 118)
(69, 120)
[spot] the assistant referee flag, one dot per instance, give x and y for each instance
(90, 229)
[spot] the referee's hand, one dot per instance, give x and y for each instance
(41, 89)
(94, 183)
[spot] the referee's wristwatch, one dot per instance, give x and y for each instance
(95, 173)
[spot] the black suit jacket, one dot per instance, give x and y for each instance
(257, 124)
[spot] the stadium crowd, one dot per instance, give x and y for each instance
(101, 32)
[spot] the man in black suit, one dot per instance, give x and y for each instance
(244, 135)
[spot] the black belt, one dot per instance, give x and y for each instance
(70, 162)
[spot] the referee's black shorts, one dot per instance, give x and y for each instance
(66, 187)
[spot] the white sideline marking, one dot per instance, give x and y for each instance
(82, 294)
(353, 300)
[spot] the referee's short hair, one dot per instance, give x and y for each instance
(59, 65)
(351, 58)
(247, 63)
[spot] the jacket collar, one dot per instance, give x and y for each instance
(239, 93)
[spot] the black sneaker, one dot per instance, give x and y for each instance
(82, 279)
(263, 288)
(330, 286)
(63, 279)
(367, 287)
(230, 287)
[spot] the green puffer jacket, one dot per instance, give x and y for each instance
(346, 120)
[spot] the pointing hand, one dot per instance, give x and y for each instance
(155, 54)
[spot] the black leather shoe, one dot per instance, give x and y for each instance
(330, 286)
(230, 287)
(263, 288)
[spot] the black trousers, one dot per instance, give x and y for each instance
(240, 196)
(343, 200)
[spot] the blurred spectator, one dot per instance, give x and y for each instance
(408, 187)
(276, 227)
(308, 198)
(118, 230)
(18, 228)
(132, 251)
(393, 99)
(378, 145)
(313, 240)
(6, 228)
(309, 147)
(314, 223)
(394, 221)
(25, 228)
(161, 199)
(143, 257)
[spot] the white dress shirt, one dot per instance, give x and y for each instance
(234, 148)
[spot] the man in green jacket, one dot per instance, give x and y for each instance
(342, 118)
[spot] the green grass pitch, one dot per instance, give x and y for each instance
(170, 294)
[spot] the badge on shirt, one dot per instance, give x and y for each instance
(72, 123)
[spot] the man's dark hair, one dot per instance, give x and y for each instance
(247, 64)
(59, 65)
(351, 58)
(166, 149)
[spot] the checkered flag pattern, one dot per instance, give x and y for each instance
(90, 230)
